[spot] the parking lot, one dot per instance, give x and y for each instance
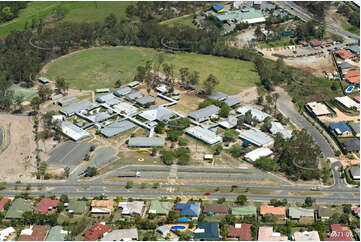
(68, 154)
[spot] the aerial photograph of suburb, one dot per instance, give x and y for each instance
(179, 120)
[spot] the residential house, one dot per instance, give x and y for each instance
(355, 173)
(164, 230)
(354, 49)
(315, 43)
(352, 145)
(191, 209)
(257, 114)
(43, 80)
(353, 77)
(357, 99)
(145, 101)
(297, 212)
(159, 207)
(218, 96)
(324, 213)
(34, 233)
(18, 207)
(306, 236)
(8, 234)
(102, 206)
(319, 109)
(348, 102)
(355, 128)
(339, 234)
(57, 233)
(344, 54)
(204, 114)
(244, 211)
(135, 208)
(240, 232)
(46, 206)
(254, 155)
(121, 235)
(267, 234)
(204, 135)
(146, 142)
(76, 207)
(340, 128)
(206, 231)
(3, 201)
(280, 212)
(95, 232)
(215, 209)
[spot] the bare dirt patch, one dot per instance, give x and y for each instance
(248, 95)
(18, 159)
(340, 116)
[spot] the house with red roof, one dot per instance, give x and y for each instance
(352, 73)
(280, 212)
(357, 99)
(95, 232)
(315, 43)
(46, 206)
(241, 232)
(356, 211)
(339, 234)
(3, 201)
(34, 233)
(344, 54)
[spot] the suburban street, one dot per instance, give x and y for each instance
(298, 11)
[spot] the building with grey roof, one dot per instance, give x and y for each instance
(56, 97)
(352, 145)
(297, 212)
(122, 91)
(204, 113)
(277, 127)
(134, 95)
(256, 137)
(249, 15)
(105, 98)
(67, 101)
(146, 142)
(117, 127)
(73, 132)
(145, 101)
(57, 233)
(219, 96)
(95, 118)
(232, 101)
(102, 90)
(355, 173)
(306, 236)
(125, 107)
(204, 135)
(133, 84)
(43, 80)
(157, 113)
(257, 114)
(121, 235)
(228, 123)
(77, 107)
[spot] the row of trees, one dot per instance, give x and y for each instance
(10, 10)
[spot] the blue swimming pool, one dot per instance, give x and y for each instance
(349, 89)
(178, 227)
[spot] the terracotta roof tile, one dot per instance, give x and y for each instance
(3, 201)
(344, 54)
(279, 211)
(44, 205)
(109, 204)
(39, 233)
(95, 232)
(215, 208)
(243, 233)
(339, 234)
(352, 73)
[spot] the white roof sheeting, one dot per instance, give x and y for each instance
(105, 98)
(121, 235)
(306, 236)
(77, 107)
(145, 100)
(129, 208)
(348, 102)
(5, 233)
(228, 123)
(256, 137)
(146, 142)
(128, 108)
(318, 109)
(73, 131)
(133, 95)
(277, 127)
(257, 153)
(204, 113)
(232, 101)
(220, 96)
(101, 210)
(133, 84)
(257, 114)
(158, 113)
(205, 135)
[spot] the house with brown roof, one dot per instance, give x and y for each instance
(95, 232)
(3, 201)
(344, 54)
(102, 206)
(34, 233)
(212, 209)
(46, 206)
(280, 212)
(339, 234)
(267, 234)
(240, 232)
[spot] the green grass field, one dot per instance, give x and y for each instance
(74, 12)
(183, 20)
(21, 91)
(101, 67)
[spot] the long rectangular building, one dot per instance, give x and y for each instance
(249, 15)
(146, 142)
(77, 107)
(73, 132)
(117, 127)
(204, 113)
(204, 135)
(256, 137)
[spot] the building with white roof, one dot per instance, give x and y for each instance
(125, 107)
(157, 113)
(7, 234)
(146, 142)
(257, 153)
(204, 114)
(73, 132)
(135, 208)
(348, 102)
(228, 123)
(75, 108)
(162, 89)
(319, 109)
(204, 135)
(121, 235)
(306, 236)
(257, 114)
(277, 127)
(256, 137)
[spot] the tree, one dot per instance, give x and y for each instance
(265, 163)
(35, 103)
(347, 208)
(64, 198)
(172, 217)
(230, 135)
(236, 150)
(241, 199)
(110, 21)
(18, 102)
(210, 83)
(308, 202)
(221, 200)
(154, 151)
(91, 171)
(66, 171)
(118, 83)
(159, 128)
(184, 73)
(129, 184)
(44, 93)
(224, 111)
(217, 149)
(258, 33)
(194, 78)
(167, 157)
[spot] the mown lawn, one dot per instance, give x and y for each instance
(74, 12)
(101, 67)
(183, 20)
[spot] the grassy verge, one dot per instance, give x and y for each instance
(101, 67)
(276, 43)
(183, 20)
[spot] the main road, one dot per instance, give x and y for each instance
(303, 14)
